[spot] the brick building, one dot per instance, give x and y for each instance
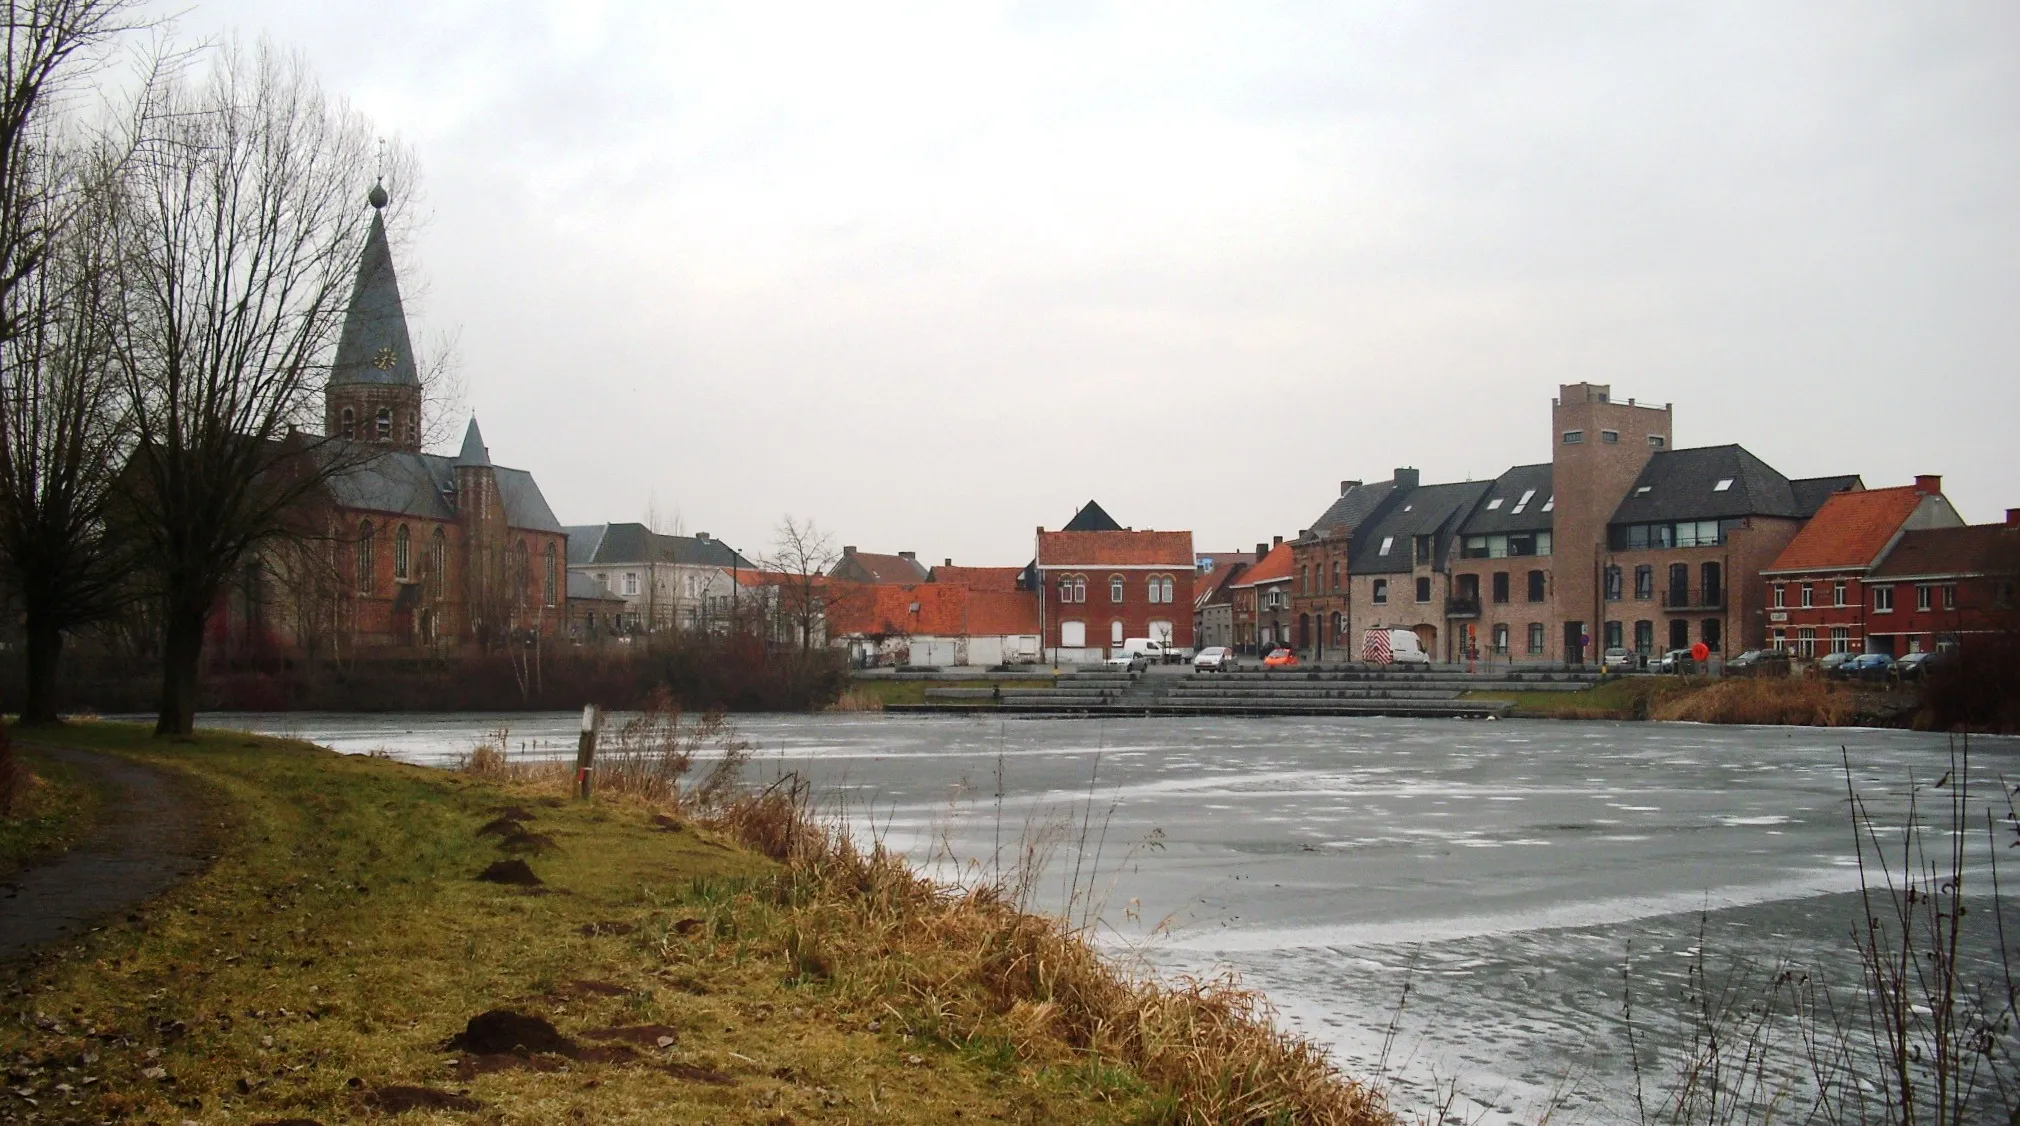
(1502, 607)
(1401, 567)
(1261, 599)
(1097, 589)
(1321, 557)
(1941, 587)
(1815, 587)
(855, 566)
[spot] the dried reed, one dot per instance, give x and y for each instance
(1807, 701)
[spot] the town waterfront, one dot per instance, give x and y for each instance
(1504, 869)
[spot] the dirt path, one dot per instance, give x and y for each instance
(146, 841)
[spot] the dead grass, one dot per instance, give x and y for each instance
(52, 807)
(1802, 701)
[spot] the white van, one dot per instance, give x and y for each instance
(1155, 650)
(1404, 648)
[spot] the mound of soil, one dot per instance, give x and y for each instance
(504, 1032)
(645, 1035)
(667, 824)
(399, 1099)
(514, 872)
(513, 813)
(501, 827)
(523, 840)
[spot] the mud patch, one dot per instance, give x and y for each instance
(513, 813)
(667, 824)
(513, 872)
(687, 926)
(504, 1032)
(400, 1099)
(644, 1035)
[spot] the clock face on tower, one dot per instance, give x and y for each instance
(385, 360)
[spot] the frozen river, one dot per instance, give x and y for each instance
(1504, 870)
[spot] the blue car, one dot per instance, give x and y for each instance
(1868, 666)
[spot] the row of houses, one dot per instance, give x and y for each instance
(1620, 540)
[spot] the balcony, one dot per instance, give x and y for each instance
(1461, 606)
(1706, 598)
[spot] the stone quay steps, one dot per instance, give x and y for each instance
(1408, 709)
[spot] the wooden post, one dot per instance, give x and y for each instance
(585, 751)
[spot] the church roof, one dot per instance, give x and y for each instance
(1092, 518)
(374, 346)
(474, 451)
(411, 484)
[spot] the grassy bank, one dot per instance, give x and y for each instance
(55, 805)
(1766, 700)
(755, 968)
(868, 695)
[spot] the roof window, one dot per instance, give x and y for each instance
(1493, 504)
(1551, 503)
(1724, 483)
(1643, 490)
(1524, 502)
(1387, 542)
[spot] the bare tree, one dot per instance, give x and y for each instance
(236, 255)
(802, 555)
(59, 431)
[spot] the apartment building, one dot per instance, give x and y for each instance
(1400, 568)
(1502, 604)
(1815, 587)
(1321, 559)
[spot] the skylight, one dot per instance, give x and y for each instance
(1387, 541)
(1724, 483)
(1493, 504)
(1524, 502)
(1643, 490)
(1551, 503)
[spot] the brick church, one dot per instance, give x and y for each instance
(409, 550)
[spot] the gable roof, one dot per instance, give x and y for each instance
(1533, 481)
(1353, 506)
(872, 567)
(615, 544)
(1683, 485)
(1091, 518)
(1274, 567)
(1851, 531)
(934, 610)
(1218, 586)
(1115, 549)
(374, 346)
(1974, 549)
(1427, 510)
(411, 484)
(978, 578)
(1812, 492)
(582, 588)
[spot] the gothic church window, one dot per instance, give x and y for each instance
(364, 575)
(553, 575)
(438, 562)
(349, 426)
(402, 546)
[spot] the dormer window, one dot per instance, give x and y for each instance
(1724, 483)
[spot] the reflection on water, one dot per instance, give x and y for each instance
(1504, 870)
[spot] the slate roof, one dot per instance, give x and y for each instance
(1682, 485)
(1435, 510)
(1352, 507)
(1091, 518)
(413, 484)
(1509, 489)
(617, 544)
(374, 347)
(1850, 531)
(1812, 492)
(1975, 549)
(872, 567)
(474, 453)
(582, 588)
(1115, 548)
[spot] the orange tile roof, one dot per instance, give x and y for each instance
(942, 611)
(996, 613)
(1274, 567)
(1849, 531)
(1115, 549)
(979, 578)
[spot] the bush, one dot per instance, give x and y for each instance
(1979, 688)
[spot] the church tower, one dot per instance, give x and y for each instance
(374, 393)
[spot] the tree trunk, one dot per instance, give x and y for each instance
(45, 648)
(181, 656)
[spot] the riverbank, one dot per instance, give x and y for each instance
(1768, 701)
(342, 951)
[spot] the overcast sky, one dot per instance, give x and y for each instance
(936, 275)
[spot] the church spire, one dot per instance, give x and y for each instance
(374, 347)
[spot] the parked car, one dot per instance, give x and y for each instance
(1281, 659)
(1833, 663)
(1619, 660)
(1130, 662)
(1868, 666)
(1214, 658)
(1676, 660)
(1404, 647)
(1915, 666)
(1760, 662)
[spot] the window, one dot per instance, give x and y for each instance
(1841, 639)
(1644, 582)
(1809, 596)
(1679, 584)
(1883, 600)
(1115, 589)
(1573, 437)
(1381, 592)
(1838, 593)
(1424, 590)
(413, 429)
(1781, 592)
(1710, 631)
(1115, 633)
(364, 569)
(1425, 546)
(1493, 504)
(1550, 504)
(1535, 639)
(1925, 598)
(553, 584)
(1164, 586)
(1536, 584)
(631, 582)
(1387, 542)
(1502, 547)
(1304, 580)
(1806, 641)
(1643, 490)
(402, 546)
(385, 424)
(1724, 483)
(1613, 593)
(1644, 638)
(1501, 640)
(1610, 437)
(349, 426)
(1524, 502)
(438, 562)
(1616, 635)
(1656, 441)
(1336, 574)
(1500, 586)
(1073, 635)
(1072, 588)
(1949, 596)
(1712, 588)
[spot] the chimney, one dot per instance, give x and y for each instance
(1261, 550)
(912, 555)
(848, 550)
(948, 562)
(1406, 478)
(2013, 517)
(702, 536)
(1345, 485)
(1929, 484)
(1276, 541)
(1303, 532)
